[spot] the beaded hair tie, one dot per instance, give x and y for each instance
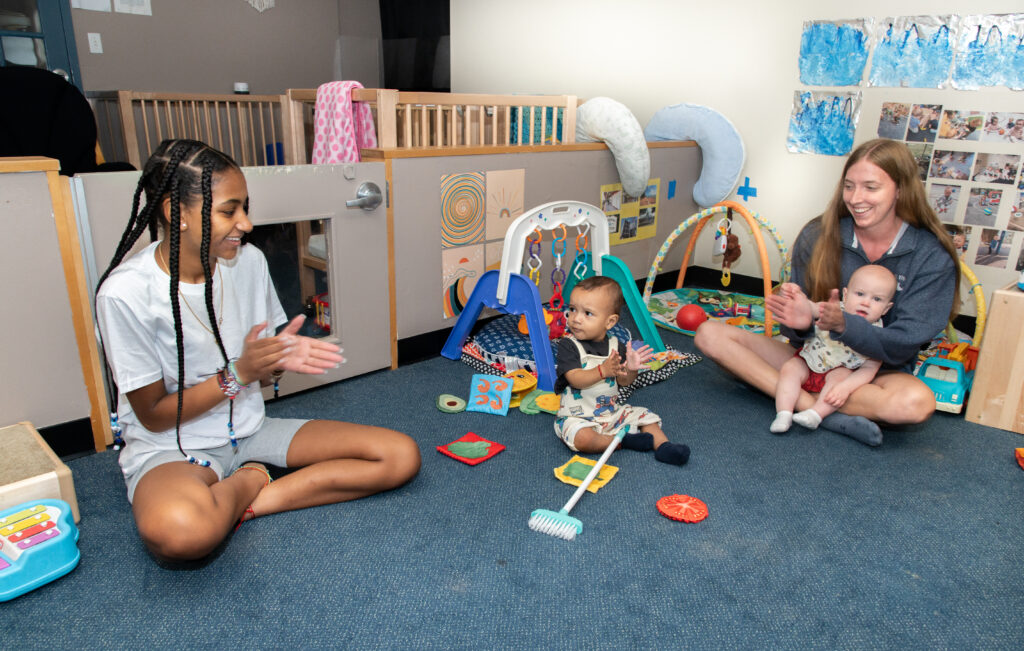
(227, 380)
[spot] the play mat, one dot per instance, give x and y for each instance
(743, 310)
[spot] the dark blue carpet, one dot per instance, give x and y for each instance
(813, 541)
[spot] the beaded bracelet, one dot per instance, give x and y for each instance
(227, 380)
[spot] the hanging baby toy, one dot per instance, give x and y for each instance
(554, 316)
(728, 245)
(582, 259)
(557, 304)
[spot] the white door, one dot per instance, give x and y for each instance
(356, 261)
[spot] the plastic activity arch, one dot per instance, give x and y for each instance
(510, 292)
(547, 217)
(979, 304)
(756, 223)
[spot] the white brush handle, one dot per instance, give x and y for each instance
(593, 471)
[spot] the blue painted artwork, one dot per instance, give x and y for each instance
(823, 123)
(833, 54)
(913, 52)
(990, 53)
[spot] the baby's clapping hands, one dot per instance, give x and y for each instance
(637, 354)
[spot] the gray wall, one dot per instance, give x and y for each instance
(552, 176)
(40, 375)
(199, 46)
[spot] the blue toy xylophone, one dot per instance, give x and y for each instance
(38, 544)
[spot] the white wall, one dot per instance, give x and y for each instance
(739, 57)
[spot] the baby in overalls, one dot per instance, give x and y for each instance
(591, 366)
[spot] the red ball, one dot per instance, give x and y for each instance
(690, 316)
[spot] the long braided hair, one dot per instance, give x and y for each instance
(183, 171)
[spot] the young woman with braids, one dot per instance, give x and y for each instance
(188, 328)
(880, 215)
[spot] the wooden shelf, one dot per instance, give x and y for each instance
(996, 395)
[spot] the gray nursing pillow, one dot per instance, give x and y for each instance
(603, 119)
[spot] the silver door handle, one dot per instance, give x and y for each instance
(368, 197)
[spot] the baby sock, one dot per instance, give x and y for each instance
(641, 441)
(856, 427)
(674, 453)
(782, 422)
(807, 418)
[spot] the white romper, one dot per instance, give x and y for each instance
(597, 406)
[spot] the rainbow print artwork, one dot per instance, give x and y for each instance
(462, 209)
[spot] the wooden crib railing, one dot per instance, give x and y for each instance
(414, 120)
(276, 129)
(247, 127)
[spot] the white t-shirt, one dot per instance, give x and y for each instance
(134, 313)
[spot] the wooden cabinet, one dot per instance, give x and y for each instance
(50, 365)
(997, 396)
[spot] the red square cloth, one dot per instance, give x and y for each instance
(494, 449)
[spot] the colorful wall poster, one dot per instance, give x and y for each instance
(834, 53)
(505, 192)
(913, 52)
(461, 267)
(630, 218)
(462, 209)
(476, 210)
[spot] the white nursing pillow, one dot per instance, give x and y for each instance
(602, 119)
(720, 144)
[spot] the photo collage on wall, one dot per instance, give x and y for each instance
(970, 161)
(476, 210)
(630, 218)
